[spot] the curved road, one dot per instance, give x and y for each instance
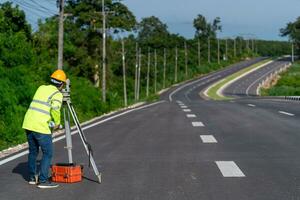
(182, 148)
(247, 85)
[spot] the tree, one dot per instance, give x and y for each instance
(15, 35)
(82, 35)
(152, 32)
(292, 30)
(205, 29)
(86, 14)
(13, 19)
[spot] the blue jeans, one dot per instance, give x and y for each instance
(36, 140)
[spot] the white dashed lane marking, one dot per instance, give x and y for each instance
(286, 113)
(251, 105)
(197, 124)
(186, 110)
(183, 106)
(208, 139)
(229, 169)
(191, 115)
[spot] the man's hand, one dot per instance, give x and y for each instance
(57, 127)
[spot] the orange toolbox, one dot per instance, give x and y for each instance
(67, 173)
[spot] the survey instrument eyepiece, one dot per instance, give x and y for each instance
(67, 90)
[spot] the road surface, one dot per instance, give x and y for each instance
(182, 147)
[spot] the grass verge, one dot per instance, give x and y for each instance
(287, 85)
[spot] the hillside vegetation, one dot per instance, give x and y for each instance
(288, 84)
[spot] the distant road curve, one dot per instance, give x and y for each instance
(247, 85)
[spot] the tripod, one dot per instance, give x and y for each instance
(67, 110)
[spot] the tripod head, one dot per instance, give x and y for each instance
(67, 91)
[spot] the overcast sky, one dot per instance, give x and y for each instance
(260, 18)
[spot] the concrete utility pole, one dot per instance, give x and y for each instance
(256, 47)
(124, 73)
(293, 58)
(176, 64)
(234, 47)
(61, 35)
(139, 74)
(253, 45)
(218, 51)
(103, 52)
(208, 50)
(186, 59)
(155, 71)
(165, 67)
(241, 46)
(226, 49)
(148, 72)
(248, 46)
(136, 70)
(199, 53)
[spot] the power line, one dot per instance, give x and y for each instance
(29, 9)
(35, 9)
(43, 7)
(35, 6)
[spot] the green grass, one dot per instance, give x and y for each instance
(212, 92)
(287, 85)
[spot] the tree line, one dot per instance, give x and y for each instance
(292, 30)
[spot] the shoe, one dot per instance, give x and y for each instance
(32, 181)
(47, 184)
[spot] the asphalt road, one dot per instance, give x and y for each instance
(182, 147)
(247, 85)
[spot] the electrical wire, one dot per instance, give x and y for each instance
(35, 9)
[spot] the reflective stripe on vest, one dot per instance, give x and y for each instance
(45, 104)
(50, 97)
(39, 110)
(41, 102)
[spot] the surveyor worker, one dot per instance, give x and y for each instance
(41, 118)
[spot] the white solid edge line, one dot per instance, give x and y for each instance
(13, 157)
(286, 113)
(229, 169)
(8, 159)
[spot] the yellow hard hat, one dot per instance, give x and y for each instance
(59, 75)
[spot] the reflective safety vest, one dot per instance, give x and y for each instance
(45, 107)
